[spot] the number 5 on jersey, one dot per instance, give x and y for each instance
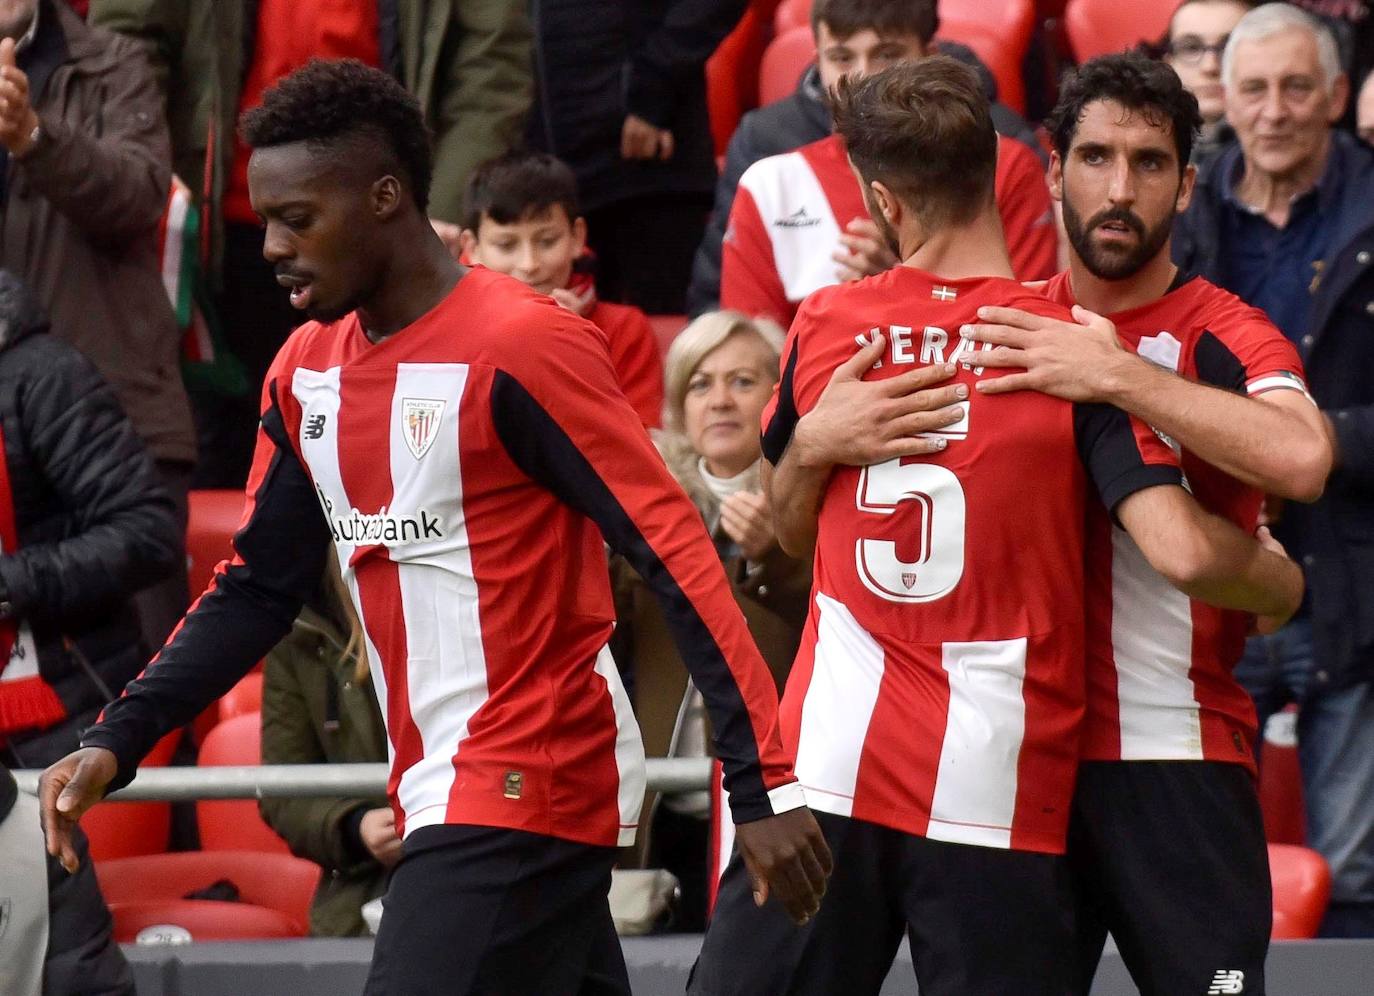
(939, 564)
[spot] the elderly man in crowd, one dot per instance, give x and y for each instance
(1284, 220)
(84, 187)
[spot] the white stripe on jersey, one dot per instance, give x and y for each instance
(1152, 643)
(975, 786)
(839, 703)
(447, 669)
(629, 748)
(801, 225)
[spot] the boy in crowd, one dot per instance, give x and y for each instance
(522, 220)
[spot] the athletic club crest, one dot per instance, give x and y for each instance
(420, 418)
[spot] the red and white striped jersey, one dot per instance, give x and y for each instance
(790, 210)
(466, 470)
(939, 688)
(1160, 686)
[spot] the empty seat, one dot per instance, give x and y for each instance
(1099, 27)
(784, 62)
(792, 14)
(279, 882)
(1302, 888)
(203, 919)
(234, 825)
(212, 519)
(666, 328)
(125, 829)
(243, 698)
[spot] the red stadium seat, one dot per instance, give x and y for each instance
(245, 697)
(732, 77)
(666, 328)
(792, 14)
(213, 518)
(784, 61)
(203, 919)
(1302, 887)
(150, 890)
(126, 829)
(999, 34)
(234, 825)
(1099, 27)
(1280, 783)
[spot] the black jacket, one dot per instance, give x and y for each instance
(598, 60)
(789, 124)
(94, 526)
(1334, 538)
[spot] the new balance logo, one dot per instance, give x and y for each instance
(1232, 981)
(797, 219)
(314, 427)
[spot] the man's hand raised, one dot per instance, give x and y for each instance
(17, 117)
(787, 857)
(859, 422)
(66, 790)
(1076, 362)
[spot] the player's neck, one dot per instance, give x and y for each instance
(977, 249)
(1149, 283)
(413, 285)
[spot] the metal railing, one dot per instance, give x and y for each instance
(672, 774)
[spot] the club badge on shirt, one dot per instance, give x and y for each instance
(420, 418)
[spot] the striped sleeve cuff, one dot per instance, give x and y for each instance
(1281, 380)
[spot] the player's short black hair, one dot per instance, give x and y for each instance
(331, 102)
(1137, 83)
(846, 18)
(517, 184)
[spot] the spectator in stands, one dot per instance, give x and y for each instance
(1284, 220)
(720, 373)
(1364, 111)
(622, 100)
(81, 126)
(468, 63)
(318, 707)
(1197, 34)
(858, 37)
(83, 524)
(522, 219)
(56, 935)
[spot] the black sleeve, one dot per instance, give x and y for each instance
(123, 532)
(655, 525)
(676, 51)
(1121, 454)
(777, 434)
(250, 605)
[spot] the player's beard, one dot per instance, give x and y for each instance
(885, 229)
(1105, 264)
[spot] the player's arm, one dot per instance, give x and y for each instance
(1209, 558)
(1204, 556)
(1273, 438)
(249, 606)
(571, 430)
(853, 422)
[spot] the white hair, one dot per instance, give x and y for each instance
(1274, 19)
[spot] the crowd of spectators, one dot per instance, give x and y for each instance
(573, 152)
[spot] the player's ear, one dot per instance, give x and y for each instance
(579, 234)
(1056, 176)
(467, 242)
(887, 203)
(1185, 188)
(386, 196)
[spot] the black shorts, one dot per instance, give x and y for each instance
(478, 911)
(1170, 857)
(981, 922)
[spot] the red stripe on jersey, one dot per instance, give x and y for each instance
(365, 474)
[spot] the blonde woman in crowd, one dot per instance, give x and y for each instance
(720, 373)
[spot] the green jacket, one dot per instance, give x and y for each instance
(314, 712)
(466, 61)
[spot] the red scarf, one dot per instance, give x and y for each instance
(26, 700)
